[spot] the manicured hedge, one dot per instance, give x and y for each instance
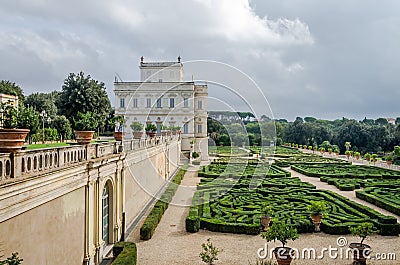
(235, 208)
(386, 198)
(154, 217)
(346, 171)
(309, 160)
(125, 253)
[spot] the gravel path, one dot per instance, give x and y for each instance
(171, 244)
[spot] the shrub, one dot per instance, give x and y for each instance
(209, 253)
(363, 231)
(86, 122)
(281, 232)
(125, 253)
(154, 217)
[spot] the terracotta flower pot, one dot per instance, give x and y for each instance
(283, 255)
(360, 252)
(119, 136)
(316, 220)
(11, 140)
(137, 134)
(265, 220)
(151, 134)
(84, 137)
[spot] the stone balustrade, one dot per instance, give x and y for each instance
(28, 163)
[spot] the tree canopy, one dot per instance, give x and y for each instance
(10, 88)
(83, 94)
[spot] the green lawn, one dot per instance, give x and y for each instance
(40, 146)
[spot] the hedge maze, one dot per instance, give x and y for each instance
(381, 185)
(225, 202)
(349, 177)
(384, 195)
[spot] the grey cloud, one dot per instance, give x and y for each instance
(311, 58)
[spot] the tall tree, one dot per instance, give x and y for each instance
(10, 88)
(81, 93)
(43, 101)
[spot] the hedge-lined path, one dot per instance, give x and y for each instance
(348, 194)
(171, 244)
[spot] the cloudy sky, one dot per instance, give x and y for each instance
(319, 58)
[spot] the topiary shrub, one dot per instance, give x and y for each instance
(125, 253)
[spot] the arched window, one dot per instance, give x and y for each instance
(106, 214)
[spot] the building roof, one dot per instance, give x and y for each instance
(160, 64)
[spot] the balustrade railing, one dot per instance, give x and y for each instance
(34, 162)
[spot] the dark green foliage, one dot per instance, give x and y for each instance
(154, 217)
(83, 94)
(125, 253)
(10, 88)
(387, 198)
(345, 171)
(13, 260)
(63, 126)
(43, 102)
(280, 231)
(224, 202)
(151, 128)
(86, 121)
(21, 118)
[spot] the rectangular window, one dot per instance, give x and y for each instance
(199, 104)
(148, 103)
(159, 103)
(186, 103)
(172, 103)
(122, 103)
(199, 128)
(135, 102)
(186, 128)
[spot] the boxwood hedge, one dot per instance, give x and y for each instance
(154, 217)
(235, 208)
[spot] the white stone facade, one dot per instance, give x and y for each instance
(165, 100)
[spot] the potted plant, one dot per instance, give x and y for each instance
(209, 253)
(316, 209)
(330, 151)
(151, 130)
(137, 129)
(16, 124)
(322, 150)
(310, 147)
(337, 151)
(374, 158)
(119, 122)
(266, 214)
(389, 160)
(85, 126)
(348, 154)
(282, 232)
(367, 156)
(315, 148)
(357, 155)
(361, 251)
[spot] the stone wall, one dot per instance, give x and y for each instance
(51, 213)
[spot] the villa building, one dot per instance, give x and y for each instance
(163, 98)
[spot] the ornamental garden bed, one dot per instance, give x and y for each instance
(386, 196)
(237, 169)
(346, 171)
(309, 160)
(226, 204)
